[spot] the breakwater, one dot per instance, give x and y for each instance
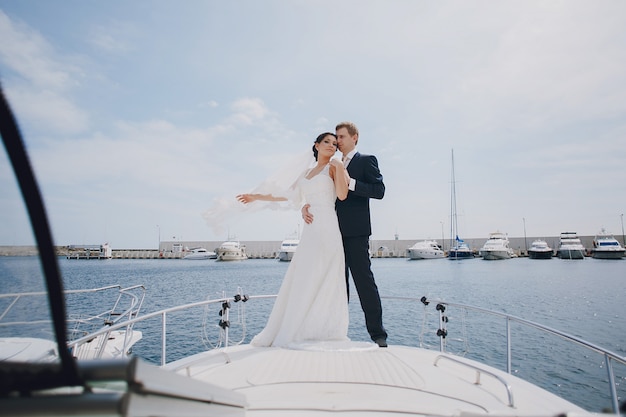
(392, 248)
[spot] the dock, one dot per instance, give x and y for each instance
(392, 248)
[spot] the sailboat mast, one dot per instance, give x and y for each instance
(453, 222)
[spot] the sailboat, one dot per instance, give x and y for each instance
(459, 249)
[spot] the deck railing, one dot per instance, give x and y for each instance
(610, 358)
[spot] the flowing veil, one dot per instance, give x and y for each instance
(282, 183)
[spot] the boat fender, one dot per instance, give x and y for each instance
(239, 297)
(225, 306)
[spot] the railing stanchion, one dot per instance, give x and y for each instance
(163, 337)
(612, 389)
(508, 345)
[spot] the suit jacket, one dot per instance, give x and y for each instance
(354, 212)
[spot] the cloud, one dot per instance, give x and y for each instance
(112, 38)
(40, 80)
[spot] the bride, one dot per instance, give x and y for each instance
(312, 300)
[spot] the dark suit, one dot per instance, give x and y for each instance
(355, 224)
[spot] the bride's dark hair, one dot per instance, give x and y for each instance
(319, 139)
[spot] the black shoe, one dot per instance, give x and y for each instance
(381, 342)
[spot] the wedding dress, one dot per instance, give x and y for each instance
(312, 303)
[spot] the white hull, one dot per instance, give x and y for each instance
(608, 254)
(231, 256)
(496, 248)
(200, 254)
(28, 349)
(428, 249)
(231, 251)
(287, 250)
(424, 254)
(494, 255)
(284, 256)
(605, 246)
(570, 246)
(569, 253)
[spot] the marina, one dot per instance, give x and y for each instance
(270, 249)
(583, 299)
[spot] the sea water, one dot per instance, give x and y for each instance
(584, 298)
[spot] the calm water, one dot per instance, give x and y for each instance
(583, 298)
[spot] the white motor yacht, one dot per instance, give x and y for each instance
(200, 254)
(539, 249)
(288, 249)
(231, 251)
(605, 246)
(496, 247)
(427, 249)
(570, 246)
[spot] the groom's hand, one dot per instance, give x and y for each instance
(306, 216)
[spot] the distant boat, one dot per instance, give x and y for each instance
(199, 254)
(427, 249)
(231, 251)
(103, 251)
(288, 249)
(459, 249)
(496, 247)
(605, 246)
(570, 246)
(539, 249)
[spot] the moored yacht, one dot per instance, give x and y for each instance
(427, 249)
(287, 249)
(231, 251)
(460, 250)
(496, 247)
(570, 246)
(200, 254)
(605, 246)
(539, 249)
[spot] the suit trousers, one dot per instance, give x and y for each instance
(358, 264)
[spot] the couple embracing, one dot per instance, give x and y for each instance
(311, 305)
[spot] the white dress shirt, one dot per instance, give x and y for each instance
(346, 161)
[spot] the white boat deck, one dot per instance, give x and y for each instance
(358, 378)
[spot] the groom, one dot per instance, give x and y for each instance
(353, 213)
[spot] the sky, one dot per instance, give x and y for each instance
(138, 115)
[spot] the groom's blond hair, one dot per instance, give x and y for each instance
(350, 127)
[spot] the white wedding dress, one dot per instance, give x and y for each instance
(312, 303)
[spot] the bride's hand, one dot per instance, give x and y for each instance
(336, 163)
(246, 198)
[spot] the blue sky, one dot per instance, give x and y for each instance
(137, 115)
